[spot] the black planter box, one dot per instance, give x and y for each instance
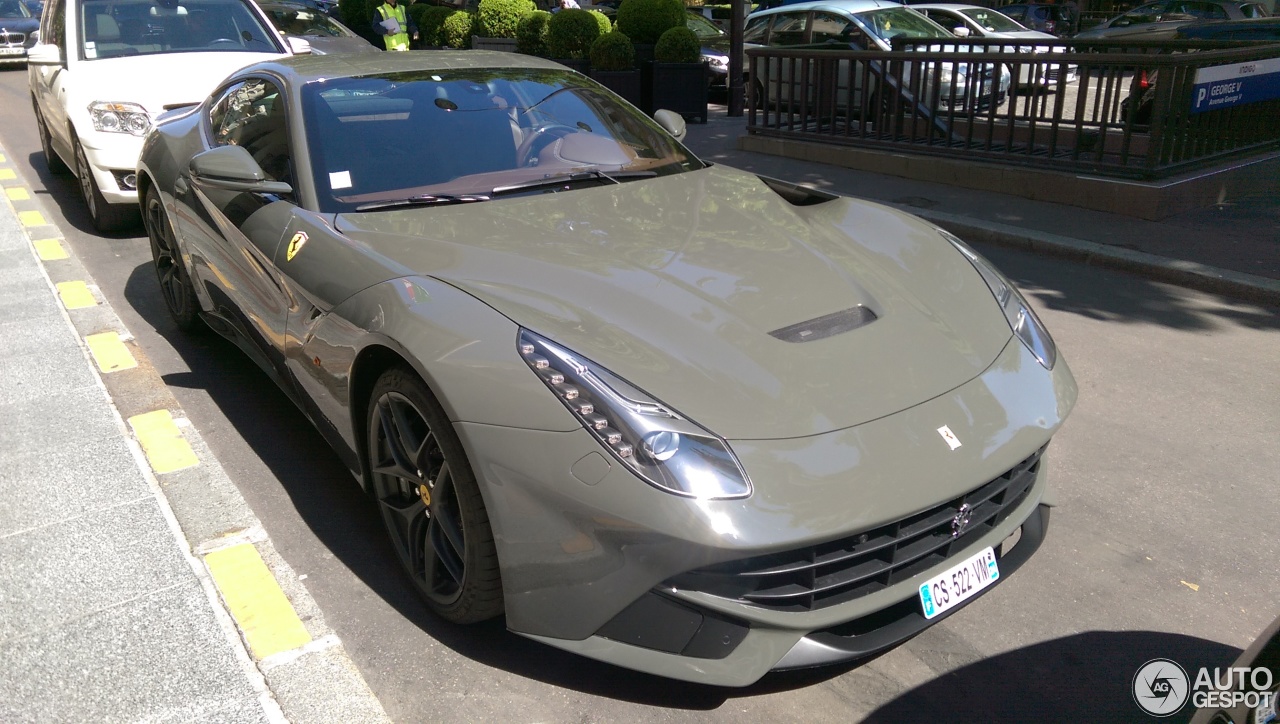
(582, 65)
(625, 83)
(679, 87)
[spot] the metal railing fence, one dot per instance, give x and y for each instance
(1123, 109)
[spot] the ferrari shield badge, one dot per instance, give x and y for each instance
(298, 241)
(950, 437)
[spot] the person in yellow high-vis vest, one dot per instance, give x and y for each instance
(394, 25)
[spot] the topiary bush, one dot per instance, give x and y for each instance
(606, 25)
(430, 20)
(613, 51)
(455, 31)
(570, 33)
(531, 34)
(678, 45)
(358, 15)
(644, 21)
(499, 18)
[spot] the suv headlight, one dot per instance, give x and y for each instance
(1026, 326)
(128, 118)
(715, 61)
(668, 451)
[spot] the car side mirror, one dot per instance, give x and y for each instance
(961, 31)
(671, 122)
(41, 54)
(299, 46)
(233, 169)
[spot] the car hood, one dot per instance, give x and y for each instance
(154, 81)
(675, 283)
(1022, 35)
(20, 25)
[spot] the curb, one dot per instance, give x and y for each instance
(291, 657)
(1182, 273)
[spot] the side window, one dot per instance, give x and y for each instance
(1145, 14)
(828, 28)
(789, 29)
(756, 30)
(251, 114)
(53, 28)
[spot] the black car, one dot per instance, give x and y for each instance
(1161, 20)
(17, 31)
(1251, 29)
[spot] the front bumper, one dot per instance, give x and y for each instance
(111, 156)
(589, 552)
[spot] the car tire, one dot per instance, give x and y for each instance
(171, 272)
(106, 217)
(430, 503)
(51, 158)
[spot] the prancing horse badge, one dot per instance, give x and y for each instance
(949, 436)
(298, 241)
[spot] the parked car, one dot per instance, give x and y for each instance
(309, 22)
(104, 69)
(1056, 20)
(1251, 29)
(1161, 20)
(18, 27)
(873, 25)
(657, 412)
(715, 48)
(1244, 704)
(979, 22)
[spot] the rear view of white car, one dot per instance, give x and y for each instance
(104, 69)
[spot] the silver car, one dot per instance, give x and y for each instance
(972, 21)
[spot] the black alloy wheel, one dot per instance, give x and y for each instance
(175, 285)
(51, 158)
(430, 502)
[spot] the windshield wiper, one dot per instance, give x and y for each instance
(591, 175)
(423, 200)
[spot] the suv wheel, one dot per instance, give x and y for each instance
(106, 217)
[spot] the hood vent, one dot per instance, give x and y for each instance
(828, 325)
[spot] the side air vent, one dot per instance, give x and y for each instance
(826, 326)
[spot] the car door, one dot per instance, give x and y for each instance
(233, 235)
(48, 81)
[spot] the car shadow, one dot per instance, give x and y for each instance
(63, 191)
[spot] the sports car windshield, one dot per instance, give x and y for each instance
(450, 136)
(890, 23)
(992, 21)
(112, 28)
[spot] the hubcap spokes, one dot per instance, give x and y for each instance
(168, 271)
(86, 180)
(416, 492)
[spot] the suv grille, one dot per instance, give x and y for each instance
(827, 574)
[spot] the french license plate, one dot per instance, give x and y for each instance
(11, 51)
(959, 583)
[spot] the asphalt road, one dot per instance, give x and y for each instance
(1162, 545)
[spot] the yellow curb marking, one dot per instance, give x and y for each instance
(17, 193)
(31, 218)
(7, 174)
(162, 441)
(109, 352)
(256, 602)
(76, 295)
(49, 250)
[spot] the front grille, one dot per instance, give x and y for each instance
(826, 574)
(12, 38)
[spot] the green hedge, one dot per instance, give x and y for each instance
(499, 18)
(606, 25)
(678, 45)
(430, 19)
(531, 34)
(644, 21)
(456, 30)
(570, 33)
(613, 51)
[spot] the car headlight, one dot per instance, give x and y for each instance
(716, 61)
(1026, 326)
(128, 118)
(658, 444)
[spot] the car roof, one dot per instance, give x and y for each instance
(838, 6)
(950, 6)
(302, 69)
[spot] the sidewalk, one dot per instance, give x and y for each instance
(135, 583)
(1233, 248)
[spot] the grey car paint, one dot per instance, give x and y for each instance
(672, 283)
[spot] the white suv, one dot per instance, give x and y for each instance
(104, 69)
